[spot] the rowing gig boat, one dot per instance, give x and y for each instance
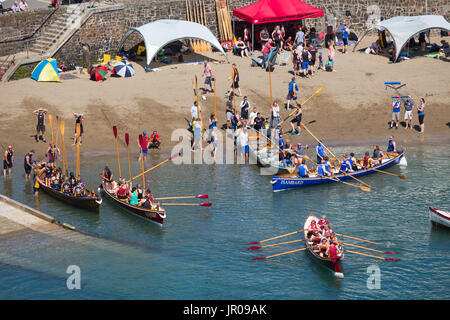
(439, 218)
(88, 202)
(267, 153)
(331, 264)
(284, 182)
(156, 215)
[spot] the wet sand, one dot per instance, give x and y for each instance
(354, 107)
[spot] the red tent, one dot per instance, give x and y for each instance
(271, 11)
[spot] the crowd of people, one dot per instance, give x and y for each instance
(322, 239)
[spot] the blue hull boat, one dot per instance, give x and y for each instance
(280, 183)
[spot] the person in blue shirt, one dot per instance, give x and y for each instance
(303, 171)
(392, 146)
(396, 112)
(322, 169)
(345, 34)
(291, 94)
(320, 152)
(345, 166)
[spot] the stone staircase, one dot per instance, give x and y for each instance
(55, 35)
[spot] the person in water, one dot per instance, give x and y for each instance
(28, 163)
(52, 153)
(79, 117)
(40, 127)
(107, 176)
(8, 160)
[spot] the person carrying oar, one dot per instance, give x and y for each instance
(297, 120)
(320, 152)
(143, 146)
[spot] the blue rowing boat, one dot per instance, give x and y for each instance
(290, 181)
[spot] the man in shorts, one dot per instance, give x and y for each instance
(345, 34)
(40, 127)
(297, 120)
(396, 112)
(229, 111)
(28, 164)
(305, 62)
(207, 73)
(8, 159)
(291, 92)
(409, 104)
(143, 146)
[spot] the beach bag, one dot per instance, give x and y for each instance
(329, 66)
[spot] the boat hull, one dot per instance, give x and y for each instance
(333, 265)
(154, 216)
(93, 204)
(439, 218)
(280, 183)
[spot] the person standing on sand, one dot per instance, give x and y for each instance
(292, 88)
(421, 114)
(409, 104)
(207, 73)
(396, 112)
(297, 120)
(8, 160)
(275, 114)
(78, 120)
(40, 127)
(235, 82)
(345, 34)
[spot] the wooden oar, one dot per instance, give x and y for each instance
(208, 45)
(277, 237)
(65, 169)
(117, 149)
(279, 254)
(354, 238)
(50, 121)
(304, 102)
(275, 244)
(56, 138)
(200, 196)
(354, 245)
(199, 111)
(203, 204)
(270, 84)
(392, 174)
(77, 174)
(347, 183)
(141, 142)
(234, 92)
(154, 167)
(371, 256)
(215, 100)
(127, 141)
(307, 158)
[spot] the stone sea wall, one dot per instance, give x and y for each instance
(103, 31)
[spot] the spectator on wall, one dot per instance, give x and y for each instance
(15, 7)
(23, 6)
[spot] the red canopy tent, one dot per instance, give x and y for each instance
(271, 11)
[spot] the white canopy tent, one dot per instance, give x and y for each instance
(159, 33)
(403, 28)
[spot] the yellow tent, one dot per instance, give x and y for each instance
(46, 70)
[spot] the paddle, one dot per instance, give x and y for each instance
(200, 196)
(154, 167)
(77, 174)
(117, 149)
(142, 144)
(304, 102)
(307, 158)
(50, 121)
(56, 138)
(354, 245)
(369, 255)
(127, 141)
(234, 93)
(347, 183)
(354, 238)
(279, 254)
(270, 84)
(215, 100)
(64, 149)
(304, 127)
(203, 204)
(277, 237)
(275, 244)
(392, 174)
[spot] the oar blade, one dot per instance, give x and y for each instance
(115, 131)
(391, 259)
(389, 252)
(254, 242)
(365, 189)
(202, 196)
(127, 138)
(259, 258)
(253, 248)
(402, 177)
(206, 204)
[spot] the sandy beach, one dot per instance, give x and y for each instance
(353, 108)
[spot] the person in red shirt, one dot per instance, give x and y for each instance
(154, 140)
(143, 146)
(266, 51)
(332, 251)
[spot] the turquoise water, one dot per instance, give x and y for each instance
(200, 253)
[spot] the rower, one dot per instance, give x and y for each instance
(134, 197)
(72, 180)
(66, 189)
(352, 161)
(312, 227)
(367, 160)
(323, 247)
(344, 164)
(107, 176)
(78, 191)
(122, 193)
(303, 170)
(332, 251)
(48, 174)
(322, 169)
(323, 222)
(377, 155)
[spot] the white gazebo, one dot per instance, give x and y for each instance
(159, 33)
